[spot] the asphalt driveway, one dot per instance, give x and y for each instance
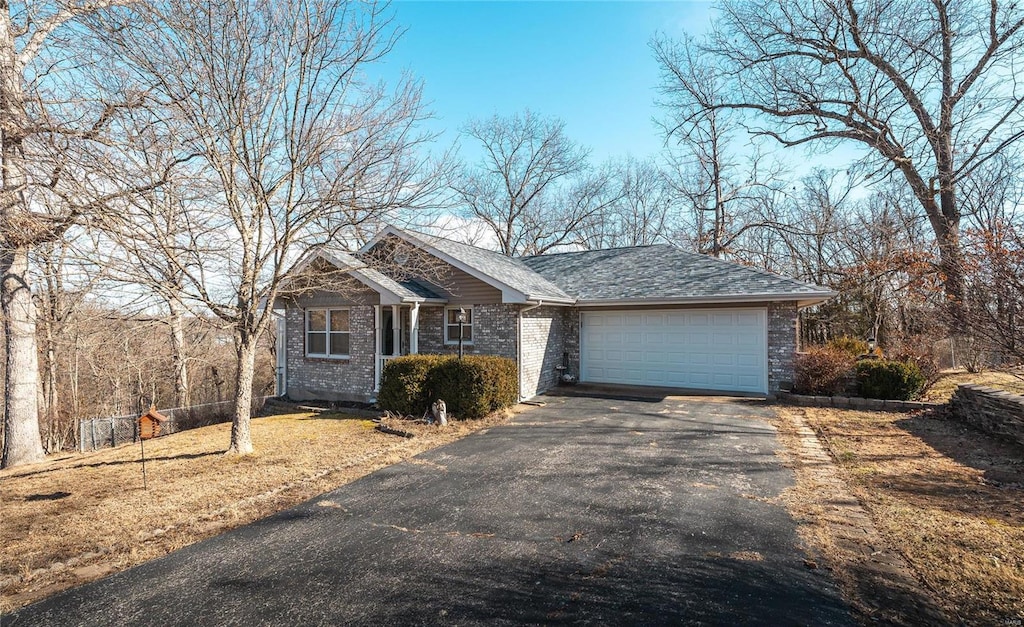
(586, 510)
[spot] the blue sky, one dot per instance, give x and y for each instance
(587, 63)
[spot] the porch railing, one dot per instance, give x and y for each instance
(383, 360)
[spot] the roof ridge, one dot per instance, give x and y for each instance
(512, 272)
(763, 271)
(591, 250)
(455, 241)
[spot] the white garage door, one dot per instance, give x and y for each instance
(707, 349)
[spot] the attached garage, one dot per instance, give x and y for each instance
(708, 349)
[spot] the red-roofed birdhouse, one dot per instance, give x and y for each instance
(149, 423)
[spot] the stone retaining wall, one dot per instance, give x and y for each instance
(993, 411)
(853, 402)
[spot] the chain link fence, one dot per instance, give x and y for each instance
(98, 433)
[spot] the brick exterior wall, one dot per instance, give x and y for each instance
(571, 341)
(782, 334)
(331, 379)
(431, 321)
(543, 344)
(494, 331)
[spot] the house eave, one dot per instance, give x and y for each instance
(803, 299)
(557, 302)
(509, 294)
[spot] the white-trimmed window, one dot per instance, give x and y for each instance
(451, 325)
(327, 333)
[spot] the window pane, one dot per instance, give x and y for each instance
(317, 320)
(339, 343)
(453, 333)
(339, 320)
(317, 344)
(453, 316)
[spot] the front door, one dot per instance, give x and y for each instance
(390, 333)
(387, 332)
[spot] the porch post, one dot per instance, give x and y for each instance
(396, 329)
(376, 347)
(414, 329)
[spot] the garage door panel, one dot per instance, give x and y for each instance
(723, 339)
(747, 319)
(748, 362)
(710, 349)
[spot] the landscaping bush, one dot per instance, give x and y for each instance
(401, 386)
(822, 371)
(920, 353)
(847, 345)
(471, 387)
(888, 379)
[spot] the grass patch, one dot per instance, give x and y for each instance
(949, 499)
(943, 389)
(74, 518)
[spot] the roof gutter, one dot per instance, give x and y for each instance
(548, 301)
(805, 298)
(519, 342)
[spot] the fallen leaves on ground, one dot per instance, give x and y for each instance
(77, 517)
(949, 498)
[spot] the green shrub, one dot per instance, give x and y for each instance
(918, 350)
(883, 378)
(401, 385)
(822, 371)
(471, 387)
(847, 345)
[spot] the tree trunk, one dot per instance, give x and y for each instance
(241, 438)
(182, 398)
(22, 442)
(51, 398)
(951, 261)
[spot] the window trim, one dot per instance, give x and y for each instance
(327, 333)
(446, 324)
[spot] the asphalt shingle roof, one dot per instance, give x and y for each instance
(407, 289)
(512, 272)
(660, 272)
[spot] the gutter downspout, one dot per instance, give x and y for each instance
(281, 348)
(519, 342)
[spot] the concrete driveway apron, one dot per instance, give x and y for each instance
(587, 510)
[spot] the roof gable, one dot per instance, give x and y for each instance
(516, 281)
(392, 291)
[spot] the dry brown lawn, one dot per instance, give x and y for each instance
(943, 389)
(949, 499)
(78, 517)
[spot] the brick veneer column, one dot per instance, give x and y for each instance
(782, 334)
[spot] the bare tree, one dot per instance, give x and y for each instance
(641, 211)
(69, 272)
(51, 118)
(297, 144)
(928, 88)
(722, 188)
(533, 187)
(994, 238)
